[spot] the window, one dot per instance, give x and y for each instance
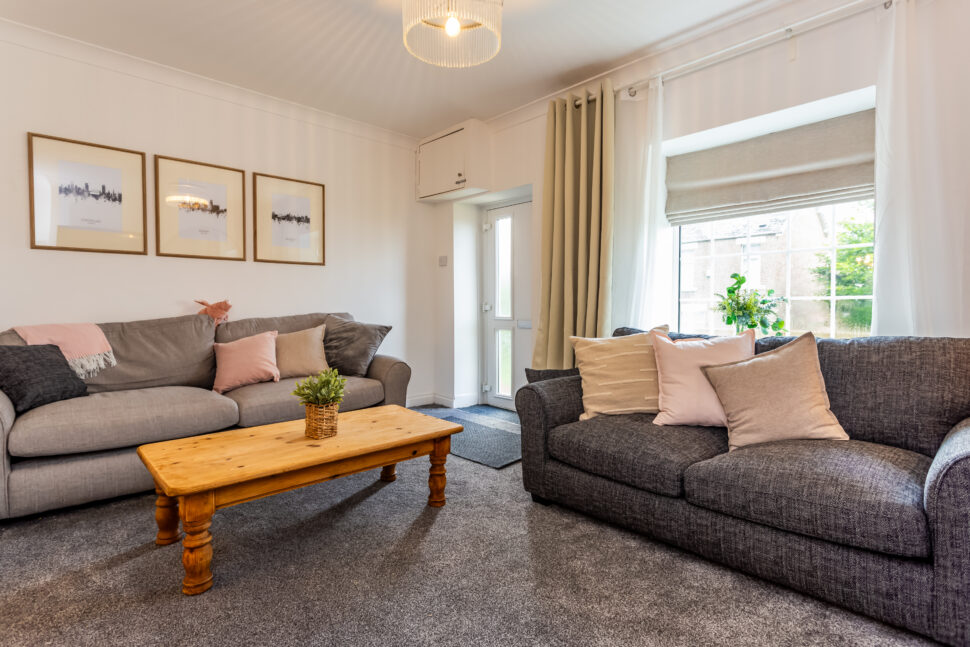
(820, 258)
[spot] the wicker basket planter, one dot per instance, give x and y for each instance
(321, 420)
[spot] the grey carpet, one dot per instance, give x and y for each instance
(485, 445)
(359, 562)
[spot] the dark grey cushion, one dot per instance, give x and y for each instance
(269, 402)
(623, 331)
(32, 376)
(350, 346)
(119, 419)
(851, 492)
(631, 449)
(176, 351)
(541, 374)
(907, 392)
(233, 330)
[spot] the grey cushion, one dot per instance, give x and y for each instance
(233, 330)
(32, 376)
(850, 492)
(907, 392)
(40, 484)
(158, 352)
(119, 419)
(542, 374)
(623, 331)
(350, 346)
(269, 402)
(633, 450)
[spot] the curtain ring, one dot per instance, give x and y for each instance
(887, 4)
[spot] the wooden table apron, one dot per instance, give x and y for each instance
(195, 509)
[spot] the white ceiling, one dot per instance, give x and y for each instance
(347, 57)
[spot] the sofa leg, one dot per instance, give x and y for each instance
(538, 499)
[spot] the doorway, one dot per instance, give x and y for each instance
(507, 302)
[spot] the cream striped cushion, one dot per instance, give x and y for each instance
(619, 374)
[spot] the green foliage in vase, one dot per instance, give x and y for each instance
(749, 309)
(325, 388)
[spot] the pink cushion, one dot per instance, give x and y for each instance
(686, 396)
(246, 361)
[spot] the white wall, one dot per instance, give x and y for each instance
(833, 59)
(380, 246)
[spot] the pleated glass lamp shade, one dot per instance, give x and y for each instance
(478, 41)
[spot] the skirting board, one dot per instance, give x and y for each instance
(421, 400)
(452, 402)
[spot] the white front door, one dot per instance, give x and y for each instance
(507, 302)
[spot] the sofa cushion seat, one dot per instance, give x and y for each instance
(115, 419)
(269, 402)
(847, 491)
(632, 450)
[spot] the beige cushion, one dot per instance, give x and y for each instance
(686, 397)
(301, 353)
(619, 374)
(778, 395)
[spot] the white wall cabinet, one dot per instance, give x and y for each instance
(454, 163)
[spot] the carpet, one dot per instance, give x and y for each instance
(359, 562)
(485, 445)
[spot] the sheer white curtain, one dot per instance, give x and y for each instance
(922, 276)
(644, 278)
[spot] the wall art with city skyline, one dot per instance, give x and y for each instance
(85, 197)
(200, 210)
(289, 220)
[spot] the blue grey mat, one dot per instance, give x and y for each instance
(486, 445)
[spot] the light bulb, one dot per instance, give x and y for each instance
(452, 26)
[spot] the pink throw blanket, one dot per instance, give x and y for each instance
(84, 345)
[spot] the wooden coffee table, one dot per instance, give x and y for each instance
(196, 476)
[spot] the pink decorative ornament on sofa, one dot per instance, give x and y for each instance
(219, 311)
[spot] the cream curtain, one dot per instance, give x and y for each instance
(922, 275)
(577, 226)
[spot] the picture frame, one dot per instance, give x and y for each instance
(289, 220)
(67, 214)
(200, 210)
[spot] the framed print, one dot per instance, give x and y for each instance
(200, 210)
(85, 197)
(288, 218)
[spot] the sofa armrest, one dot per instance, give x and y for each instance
(946, 497)
(543, 406)
(394, 374)
(7, 416)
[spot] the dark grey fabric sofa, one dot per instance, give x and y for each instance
(879, 524)
(82, 450)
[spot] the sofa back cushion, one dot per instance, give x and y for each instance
(907, 392)
(176, 351)
(233, 330)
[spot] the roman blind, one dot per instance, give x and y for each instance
(821, 163)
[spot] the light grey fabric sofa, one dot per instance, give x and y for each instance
(879, 524)
(82, 450)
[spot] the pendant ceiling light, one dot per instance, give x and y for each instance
(453, 33)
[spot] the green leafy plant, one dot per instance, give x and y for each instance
(749, 309)
(325, 388)
(853, 276)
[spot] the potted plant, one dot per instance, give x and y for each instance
(748, 309)
(321, 394)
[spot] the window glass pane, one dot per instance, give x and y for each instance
(767, 272)
(810, 316)
(853, 271)
(853, 317)
(694, 234)
(696, 318)
(811, 227)
(811, 274)
(854, 222)
(730, 235)
(503, 267)
(503, 346)
(695, 276)
(769, 233)
(724, 267)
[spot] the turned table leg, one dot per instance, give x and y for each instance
(196, 511)
(436, 479)
(389, 473)
(167, 518)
